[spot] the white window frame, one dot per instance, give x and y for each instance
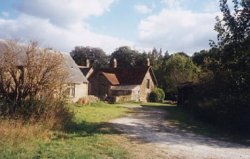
(71, 90)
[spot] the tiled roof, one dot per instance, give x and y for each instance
(75, 74)
(126, 76)
(111, 78)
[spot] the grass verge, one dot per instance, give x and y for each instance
(87, 137)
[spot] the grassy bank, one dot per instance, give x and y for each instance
(88, 136)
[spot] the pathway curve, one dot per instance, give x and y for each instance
(149, 125)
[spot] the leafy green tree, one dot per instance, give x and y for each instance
(225, 97)
(96, 56)
(125, 56)
(199, 58)
(179, 70)
(234, 44)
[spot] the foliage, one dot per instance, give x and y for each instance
(29, 76)
(96, 56)
(157, 95)
(179, 70)
(224, 98)
(125, 56)
(199, 58)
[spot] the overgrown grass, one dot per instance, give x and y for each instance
(88, 136)
(186, 121)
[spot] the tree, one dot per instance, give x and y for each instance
(233, 31)
(156, 58)
(234, 45)
(179, 70)
(225, 97)
(96, 56)
(200, 57)
(126, 57)
(28, 73)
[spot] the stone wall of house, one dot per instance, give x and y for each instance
(81, 90)
(125, 93)
(146, 87)
(99, 86)
(123, 98)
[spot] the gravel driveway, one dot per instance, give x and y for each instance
(147, 125)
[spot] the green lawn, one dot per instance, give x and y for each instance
(88, 136)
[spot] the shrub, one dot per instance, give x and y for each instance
(56, 115)
(162, 94)
(51, 113)
(157, 95)
(88, 100)
(32, 82)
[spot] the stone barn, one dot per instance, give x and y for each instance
(122, 84)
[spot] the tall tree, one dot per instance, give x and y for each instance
(225, 97)
(200, 57)
(180, 69)
(125, 56)
(233, 31)
(96, 56)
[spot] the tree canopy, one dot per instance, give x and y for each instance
(96, 56)
(126, 57)
(223, 97)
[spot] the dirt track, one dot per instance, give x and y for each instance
(148, 125)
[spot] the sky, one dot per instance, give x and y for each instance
(170, 25)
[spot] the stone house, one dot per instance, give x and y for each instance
(76, 86)
(122, 84)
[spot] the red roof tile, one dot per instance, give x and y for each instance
(125, 76)
(111, 78)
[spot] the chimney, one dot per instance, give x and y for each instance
(87, 63)
(148, 62)
(114, 63)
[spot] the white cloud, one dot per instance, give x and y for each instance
(58, 38)
(142, 9)
(177, 30)
(64, 12)
(54, 24)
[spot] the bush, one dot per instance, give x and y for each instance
(51, 113)
(157, 95)
(88, 100)
(56, 115)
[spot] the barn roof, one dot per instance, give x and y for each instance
(126, 76)
(112, 78)
(75, 74)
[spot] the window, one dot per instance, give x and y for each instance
(148, 83)
(70, 91)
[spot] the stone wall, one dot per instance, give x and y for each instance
(99, 86)
(80, 91)
(145, 90)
